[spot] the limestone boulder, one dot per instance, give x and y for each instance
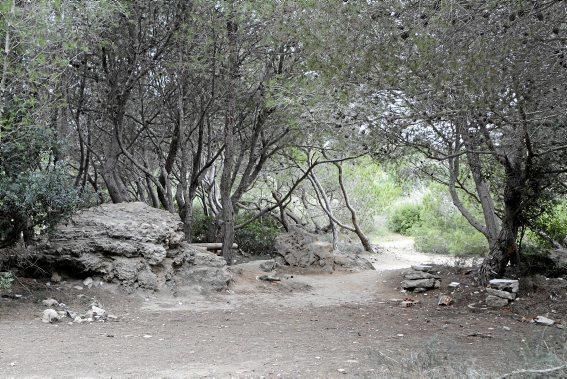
(134, 245)
(301, 249)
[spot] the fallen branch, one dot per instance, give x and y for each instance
(543, 371)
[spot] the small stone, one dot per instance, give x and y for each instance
(495, 301)
(269, 278)
(454, 285)
(544, 321)
(506, 328)
(79, 319)
(342, 370)
(147, 336)
(49, 316)
(88, 282)
(419, 290)
(55, 277)
(78, 288)
(97, 311)
(112, 317)
(445, 300)
(268, 266)
(408, 303)
(50, 303)
(502, 294)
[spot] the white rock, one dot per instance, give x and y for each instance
(55, 277)
(88, 282)
(49, 316)
(544, 321)
(454, 284)
(50, 303)
(78, 288)
(97, 311)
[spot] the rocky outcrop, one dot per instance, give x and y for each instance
(301, 249)
(132, 244)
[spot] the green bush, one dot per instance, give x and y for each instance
(553, 223)
(204, 227)
(444, 230)
(258, 237)
(404, 217)
(34, 202)
(6, 279)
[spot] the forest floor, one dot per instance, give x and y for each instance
(309, 325)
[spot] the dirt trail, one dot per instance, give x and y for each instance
(323, 325)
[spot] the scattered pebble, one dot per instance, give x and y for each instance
(544, 321)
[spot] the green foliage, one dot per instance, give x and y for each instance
(404, 217)
(553, 223)
(258, 237)
(443, 230)
(6, 279)
(34, 200)
(437, 226)
(203, 226)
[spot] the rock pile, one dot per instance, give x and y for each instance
(131, 244)
(420, 279)
(94, 313)
(298, 248)
(500, 292)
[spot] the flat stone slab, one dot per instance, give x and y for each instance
(495, 301)
(414, 275)
(420, 283)
(502, 294)
(509, 285)
(426, 268)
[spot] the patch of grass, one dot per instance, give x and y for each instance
(6, 279)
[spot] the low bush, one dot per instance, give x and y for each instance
(404, 217)
(259, 236)
(6, 279)
(204, 227)
(33, 202)
(553, 223)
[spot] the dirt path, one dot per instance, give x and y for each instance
(309, 325)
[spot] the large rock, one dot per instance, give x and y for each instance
(304, 250)
(132, 244)
(420, 283)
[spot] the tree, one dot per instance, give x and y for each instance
(480, 89)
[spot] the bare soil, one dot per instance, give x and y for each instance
(308, 325)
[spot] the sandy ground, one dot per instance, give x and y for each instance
(319, 325)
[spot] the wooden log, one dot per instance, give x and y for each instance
(212, 246)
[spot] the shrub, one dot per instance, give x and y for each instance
(404, 217)
(204, 227)
(34, 202)
(6, 279)
(258, 237)
(553, 223)
(444, 230)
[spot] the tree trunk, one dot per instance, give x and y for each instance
(116, 188)
(360, 234)
(6, 63)
(504, 248)
(230, 123)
